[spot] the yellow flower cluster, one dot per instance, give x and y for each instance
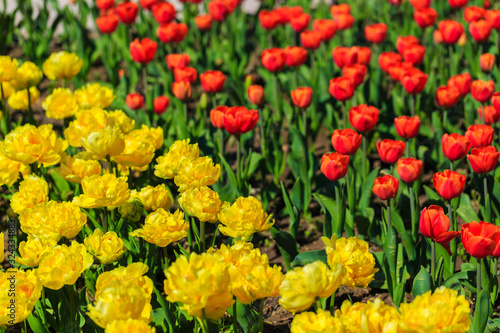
(27, 75)
(162, 227)
(16, 306)
(303, 285)
(8, 68)
(122, 294)
(107, 248)
(120, 119)
(354, 255)
(320, 322)
(10, 170)
(19, 100)
(197, 173)
(153, 197)
(244, 218)
(101, 143)
(179, 152)
(441, 311)
(29, 144)
(34, 249)
(202, 203)
(53, 220)
(63, 265)
(201, 284)
(7, 88)
(75, 168)
(103, 191)
(376, 317)
(86, 121)
(60, 104)
(251, 276)
(138, 151)
(62, 65)
(130, 326)
(94, 95)
(32, 191)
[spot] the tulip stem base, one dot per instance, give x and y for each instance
(261, 316)
(412, 105)
(478, 276)
(6, 116)
(235, 317)
(238, 160)
(453, 243)
(433, 263)
(318, 304)
(389, 216)
(487, 205)
(221, 151)
(364, 157)
(202, 237)
(412, 213)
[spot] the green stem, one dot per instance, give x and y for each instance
(163, 305)
(487, 205)
(165, 257)
(110, 167)
(276, 95)
(221, 151)
(450, 55)
(6, 115)
(478, 276)
(433, 263)
(72, 306)
(318, 304)
(304, 124)
(412, 212)
(453, 243)
(202, 236)
(185, 111)
(364, 157)
(340, 224)
(412, 105)
(389, 215)
(31, 119)
(235, 317)
(261, 316)
(483, 117)
(104, 218)
(238, 159)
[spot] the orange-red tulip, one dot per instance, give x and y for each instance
(491, 116)
(482, 90)
(105, 4)
(172, 32)
(344, 56)
(273, 59)
(356, 73)
(163, 12)
(390, 150)
(493, 16)
(455, 146)
(487, 61)
(409, 169)
(135, 101)
(239, 120)
(299, 23)
(364, 55)
(161, 104)
(414, 54)
(462, 82)
(302, 97)
(341, 88)
(448, 184)
(480, 30)
(295, 56)
(311, 39)
(425, 17)
(483, 159)
(451, 31)
(217, 116)
(143, 51)
(480, 135)
(386, 60)
(255, 94)
(420, 4)
(363, 117)
(403, 43)
(346, 141)
(107, 24)
(495, 100)
(182, 90)
(407, 127)
(343, 21)
(434, 224)
(474, 13)
(203, 22)
(342, 8)
(212, 81)
(396, 71)
(325, 27)
(447, 96)
(480, 239)
(188, 74)
(147, 4)
(334, 165)
(458, 3)
(376, 33)
(219, 10)
(413, 80)
(269, 19)
(386, 187)
(127, 12)
(177, 60)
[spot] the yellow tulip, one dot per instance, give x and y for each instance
(7, 88)
(94, 95)
(133, 274)
(163, 228)
(34, 249)
(75, 168)
(32, 191)
(154, 197)
(203, 203)
(107, 141)
(62, 65)
(60, 104)
(179, 152)
(87, 121)
(136, 153)
(120, 119)
(197, 173)
(103, 191)
(320, 322)
(8, 68)
(130, 326)
(10, 170)
(19, 99)
(106, 247)
(28, 75)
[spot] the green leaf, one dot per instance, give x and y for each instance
(252, 164)
(481, 313)
(291, 210)
(398, 224)
(229, 171)
(366, 194)
(422, 282)
(36, 324)
(466, 211)
(286, 244)
(329, 207)
(457, 280)
(309, 257)
(431, 194)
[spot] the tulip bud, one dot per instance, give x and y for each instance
(409, 169)
(448, 184)
(161, 103)
(302, 97)
(334, 165)
(487, 61)
(131, 210)
(203, 102)
(386, 187)
(255, 94)
(390, 150)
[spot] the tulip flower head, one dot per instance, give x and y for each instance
(455, 146)
(386, 187)
(409, 169)
(451, 31)
(376, 33)
(434, 224)
(425, 17)
(302, 97)
(363, 117)
(143, 51)
(127, 12)
(212, 81)
(239, 120)
(341, 88)
(273, 59)
(390, 150)
(203, 22)
(255, 94)
(448, 184)
(346, 141)
(480, 239)
(161, 104)
(483, 159)
(135, 101)
(482, 91)
(407, 127)
(480, 135)
(334, 165)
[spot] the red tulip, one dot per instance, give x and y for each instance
(172, 32)
(479, 135)
(177, 60)
(493, 16)
(434, 224)
(447, 96)
(346, 141)
(344, 56)
(302, 97)
(457, 3)
(295, 56)
(474, 13)
(376, 33)
(495, 99)
(480, 239)
(451, 31)
(219, 10)
(239, 120)
(414, 80)
(420, 4)
(288, 12)
(217, 116)
(203, 22)
(135, 101)
(386, 187)
(403, 43)
(188, 74)
(409, 169)
(462, 82)
(480, 30)
(341, 88)
(182, 90)
(356, 73)
(396, 71)
(343, 21)
(256, 94)
(364, 55)
(425, 17)
(407, 127)
(325, 27)
(163, 12)
(161, 104)
(390, 150)
(212, 81)
(448, 184)
(455, 146)
(311, 39)
(491, 114)
(386, 60)
(483, 159)
(143, 51)
(147, 4)
(269, 19)
(127, 12)
(414, 54)
(482, 90)
(105, 4)
(363, 117)
(273, 59)
(334, 165)
(300, 22)
(486, 61)
(342, 8)
(107, 24)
